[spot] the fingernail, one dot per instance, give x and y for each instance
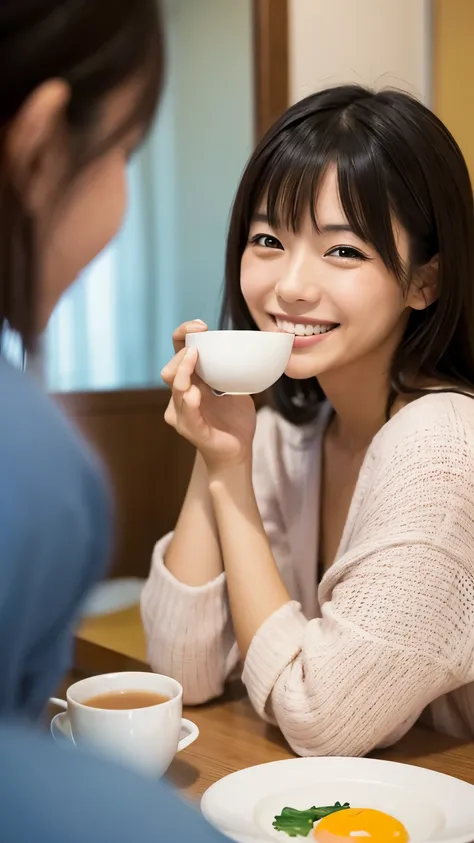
(198, 322)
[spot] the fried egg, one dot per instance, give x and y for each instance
(362, 824)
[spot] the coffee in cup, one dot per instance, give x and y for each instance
(124, 700)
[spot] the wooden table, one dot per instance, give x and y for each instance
(232, 736)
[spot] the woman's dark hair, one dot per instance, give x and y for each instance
(96, 46)
(393, 157)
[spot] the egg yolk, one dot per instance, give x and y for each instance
(362, 824)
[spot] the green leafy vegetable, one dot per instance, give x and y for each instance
(299, 823)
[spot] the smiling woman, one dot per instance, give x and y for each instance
(352, 230)
(336, 168)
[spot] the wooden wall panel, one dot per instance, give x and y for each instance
(453, 71)
(148, 463)
(271, 62)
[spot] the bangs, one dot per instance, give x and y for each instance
(292, 175)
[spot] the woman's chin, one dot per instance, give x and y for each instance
(299, 369)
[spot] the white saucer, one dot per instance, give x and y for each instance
(432, 806)
(113, 596)
(61, 730)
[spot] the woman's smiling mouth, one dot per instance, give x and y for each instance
(307, 332)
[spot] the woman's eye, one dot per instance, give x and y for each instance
(346, 253)
(266, 241)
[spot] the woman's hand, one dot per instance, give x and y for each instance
(220, 427)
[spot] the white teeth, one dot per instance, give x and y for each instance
(301, 330)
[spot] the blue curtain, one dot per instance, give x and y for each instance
(104, 335)
(113, 328)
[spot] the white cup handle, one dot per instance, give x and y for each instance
(60, 703)
(193, 734)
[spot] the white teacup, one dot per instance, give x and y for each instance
(144, 738)
(241, 362)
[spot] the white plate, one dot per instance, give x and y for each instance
(113, 596)
(433, 807)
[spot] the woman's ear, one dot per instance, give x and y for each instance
(33, 143)
(424, 286)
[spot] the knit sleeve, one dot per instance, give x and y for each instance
(397, 607)
(189, 629)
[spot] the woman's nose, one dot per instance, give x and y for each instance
(298, 283)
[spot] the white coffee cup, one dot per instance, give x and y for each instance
(241, 362)
(144, 738)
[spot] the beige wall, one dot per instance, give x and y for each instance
(372, 42)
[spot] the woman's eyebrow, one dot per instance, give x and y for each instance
(260, 216)
(336, 227)
(329, 228)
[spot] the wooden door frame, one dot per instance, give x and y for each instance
(271, 62)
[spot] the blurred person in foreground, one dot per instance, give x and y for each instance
(80, 80)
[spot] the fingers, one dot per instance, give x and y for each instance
(191, 419)
(179, 336)
(192, 398)
(169, 372)
(183, 362)
(178, 375)
(183, 379)
(186, 418)
(191, 422)
(184, 372)
(184, 409)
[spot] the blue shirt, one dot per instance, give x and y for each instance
(54, 543)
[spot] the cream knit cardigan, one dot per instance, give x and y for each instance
(350, 665)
